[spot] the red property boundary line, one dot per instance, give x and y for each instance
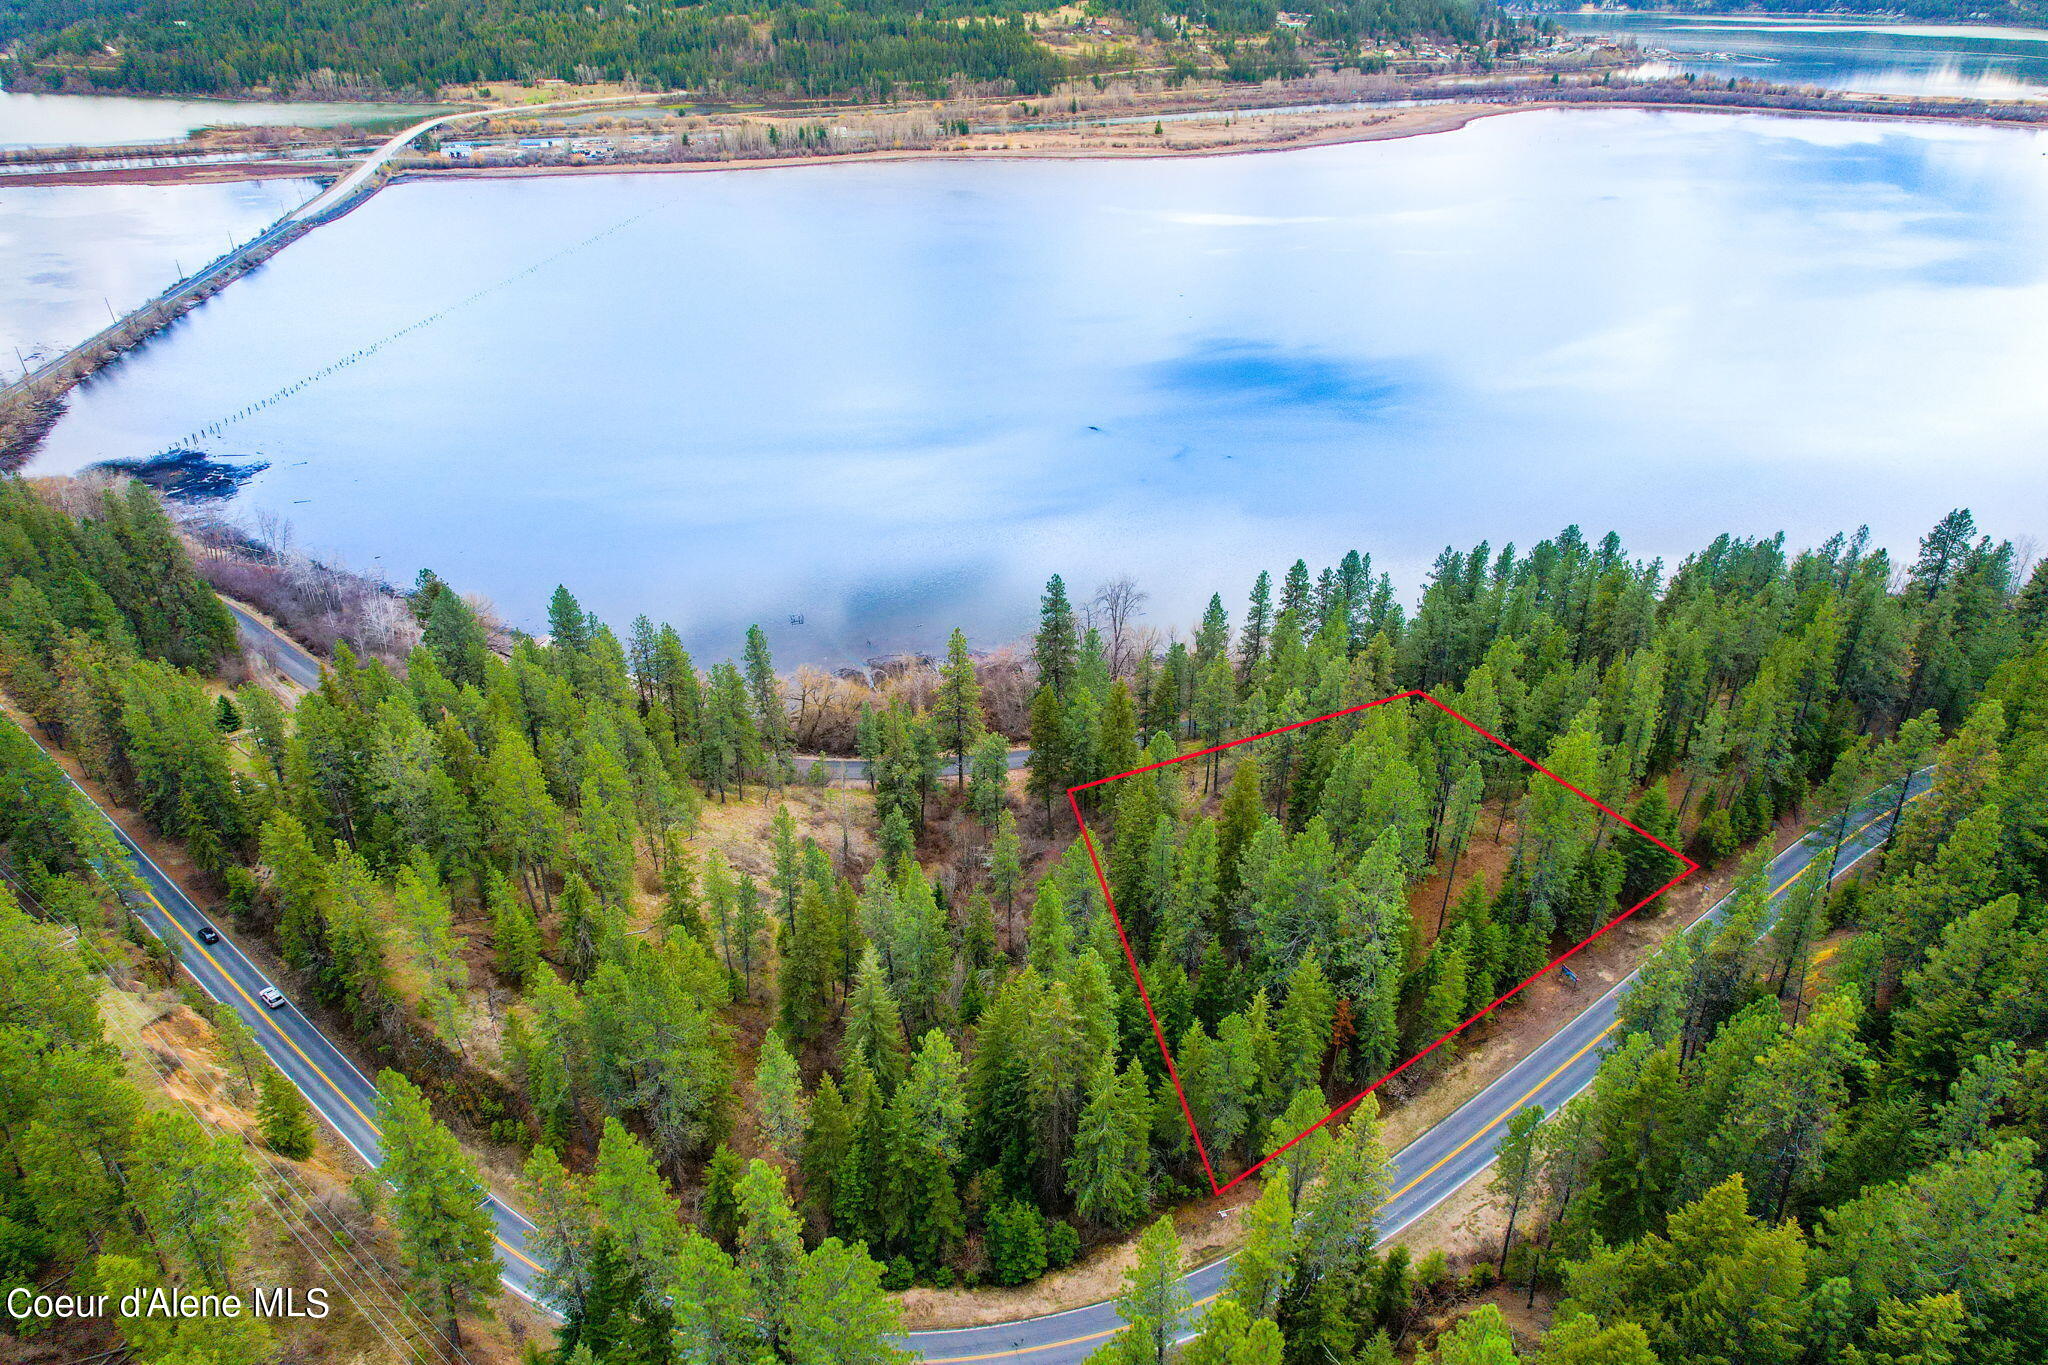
(1131, 957)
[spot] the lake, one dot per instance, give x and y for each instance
(889, 398)
(77, 254)
(115, 120)
(1978, 61)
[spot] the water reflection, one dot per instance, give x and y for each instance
(117, 120)
(76, 255)
(889, 398)
(1980, 62)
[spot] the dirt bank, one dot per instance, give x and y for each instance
(1223, 132)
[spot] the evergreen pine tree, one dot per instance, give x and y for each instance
(718, 1207)
(957, 708)
(444, 1231)
(284, 1118)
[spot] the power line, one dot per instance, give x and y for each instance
(402, 1301)
(389, 1323)
(215, 428)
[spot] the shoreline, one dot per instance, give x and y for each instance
(1790, 16)
(1290, 131)
(33, 404)
(249, 101)
(407, 103)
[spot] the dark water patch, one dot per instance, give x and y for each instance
(1259, 377)
(911, 391)
(191, 476)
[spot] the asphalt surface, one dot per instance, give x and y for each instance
(338, 193)
(856, 769)
(276, 648)
(1426, 1172)
(321, 1071)
(334, 197)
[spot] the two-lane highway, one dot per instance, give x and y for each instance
(1426, 1171)
(280, 650)
(340, 192)
(1432, 1167)
(321, 1071)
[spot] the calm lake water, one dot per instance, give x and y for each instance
(74, 252)
(114, 120)
(1980, 61)
(890, 398)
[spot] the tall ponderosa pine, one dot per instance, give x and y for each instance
(957, 708)
(1057, 647)
(444, 1231)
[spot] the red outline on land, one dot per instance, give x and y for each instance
(1131, 957)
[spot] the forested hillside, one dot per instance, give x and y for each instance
(719, 47)
(766, 1046)
(1816, 1141)
(133, 1163)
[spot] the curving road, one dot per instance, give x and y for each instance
(341, 190)
(280, 650)
(1426, 1171)
(321, 1071)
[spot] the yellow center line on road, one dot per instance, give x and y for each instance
(1506, 1113)
(1516, 1106)
(290, 1042)
(228, 977)
(1497, 1120)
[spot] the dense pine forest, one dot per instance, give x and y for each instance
(719, 47)
(758, 1046)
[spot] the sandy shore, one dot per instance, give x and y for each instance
(1222, 133)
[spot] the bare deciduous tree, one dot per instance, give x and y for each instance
(1114, 610)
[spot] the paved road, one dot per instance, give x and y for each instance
(342, 1094)
(282, 652)
(59, 365)
(856, 769)
(338, 193)
(336, 196)
(1426, 1172)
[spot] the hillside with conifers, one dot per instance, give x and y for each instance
(754, 1046)
(718, 48)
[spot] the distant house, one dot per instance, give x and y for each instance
(1286, 20)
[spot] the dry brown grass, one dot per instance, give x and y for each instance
(309, 1227)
